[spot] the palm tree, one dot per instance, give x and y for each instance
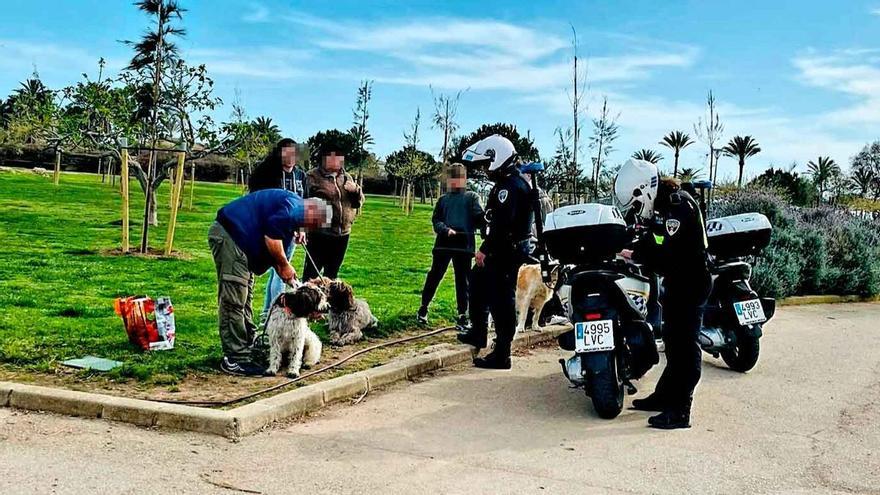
(864, 179)
(822, 170)
(741, 147)
(690, 174)
(676, 141)
(648, 155)
(33, 90)
(264, 127)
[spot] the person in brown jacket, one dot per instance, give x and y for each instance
(330, 182)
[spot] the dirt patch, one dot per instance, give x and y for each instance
(152, 253)
(220, 387)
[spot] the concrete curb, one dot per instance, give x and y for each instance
(252, 417)
(829, 299)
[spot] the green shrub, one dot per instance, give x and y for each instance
(852, 259)
(814, 261)
(748, 201)
(813, 250)
(778, 271)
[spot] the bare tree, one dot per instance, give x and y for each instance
(577, 99)
(709, 131)
(359, 130)
(605, 131)
(444, 118)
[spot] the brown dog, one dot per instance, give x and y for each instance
(532, 292)
(348, 316)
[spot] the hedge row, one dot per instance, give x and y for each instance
(813, 250)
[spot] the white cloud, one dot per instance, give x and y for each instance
(258, 13)
(454, 53)
(24, 55)
(853, 72)
(265, 62)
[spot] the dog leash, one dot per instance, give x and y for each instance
(207, 403)
(312, 260)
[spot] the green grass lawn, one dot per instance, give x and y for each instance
(57, 285)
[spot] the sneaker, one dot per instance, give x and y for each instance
(242, 368)
(558, 320)
(422, 316)
(463, 324)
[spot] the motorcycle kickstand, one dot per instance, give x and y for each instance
(630, 388)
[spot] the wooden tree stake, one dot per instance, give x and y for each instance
(176, 191)
(192, 185)
(57, 175)
(123, 181)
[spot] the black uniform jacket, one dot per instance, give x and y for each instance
(509, 217)
(675, 245)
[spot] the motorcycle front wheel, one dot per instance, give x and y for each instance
(603, 384)
(744, 355)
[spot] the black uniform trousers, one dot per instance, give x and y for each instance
(327, 252)
(683, 302)
(493, 290)
(461, 263)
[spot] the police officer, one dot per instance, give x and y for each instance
(506, 246)
(675, 248)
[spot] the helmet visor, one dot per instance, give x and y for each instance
(476, 159)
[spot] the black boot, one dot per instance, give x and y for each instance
(672, 418)
(422, 316)
(470, 338)
(494, 361)
(653, 402)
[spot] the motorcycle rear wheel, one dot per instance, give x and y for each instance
(743, 356)
(603, 385)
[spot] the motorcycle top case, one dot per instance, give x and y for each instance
(580, 234)
(738, 235)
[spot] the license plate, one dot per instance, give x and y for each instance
(594, 336)
(749, 312)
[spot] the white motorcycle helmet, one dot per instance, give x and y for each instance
(496, 153)
(635, 188)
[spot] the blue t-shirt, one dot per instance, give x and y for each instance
(273, 213)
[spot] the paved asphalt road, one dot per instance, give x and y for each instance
(805, 421)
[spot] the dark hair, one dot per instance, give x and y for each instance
(341, 296)
(457, 171)
(267, 174)
(303, 301)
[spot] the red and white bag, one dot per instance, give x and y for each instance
(149, 324)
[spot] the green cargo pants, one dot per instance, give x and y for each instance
(235, 295)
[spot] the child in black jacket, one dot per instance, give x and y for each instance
(457, 216)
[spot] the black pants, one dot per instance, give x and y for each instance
(461, 263)
(493, 290)
(683, 303)
(327, 252)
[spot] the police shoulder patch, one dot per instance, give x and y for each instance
(502, 195)
(672, 226)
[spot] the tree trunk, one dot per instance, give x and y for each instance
(742, 165)
(675, 170)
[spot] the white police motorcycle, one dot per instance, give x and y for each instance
(616, 315)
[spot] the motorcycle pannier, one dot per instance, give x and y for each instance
(738, 235)
(581, 234)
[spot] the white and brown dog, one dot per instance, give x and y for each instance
(532, 293)
(289, 332)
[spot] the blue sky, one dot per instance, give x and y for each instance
(803, 77)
